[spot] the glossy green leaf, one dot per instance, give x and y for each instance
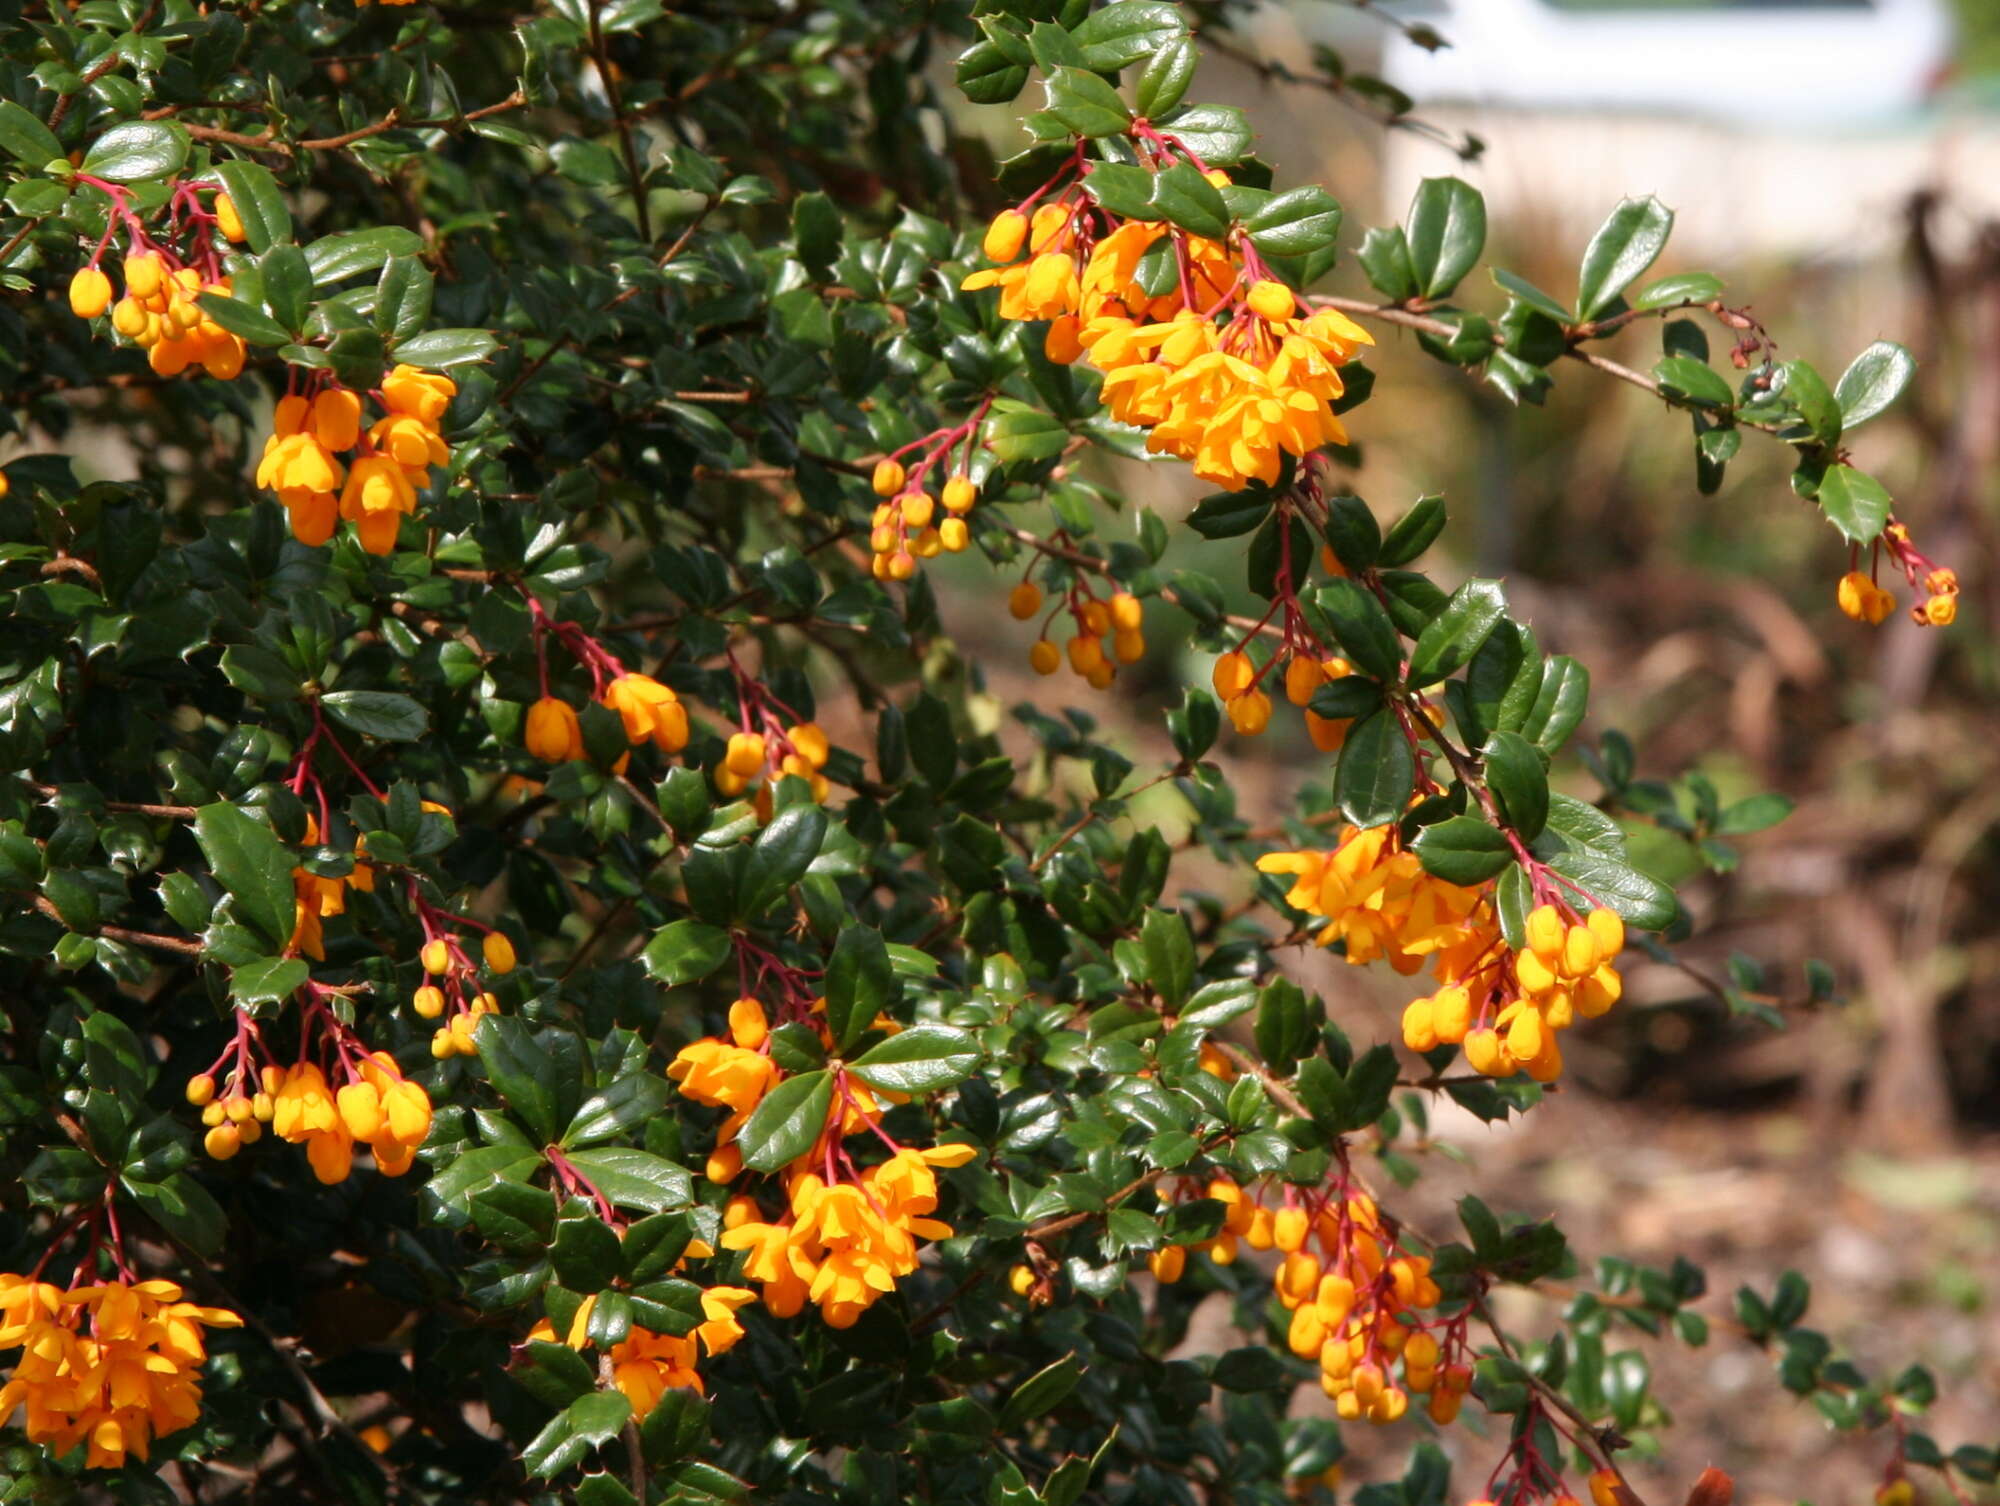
(1625, 245)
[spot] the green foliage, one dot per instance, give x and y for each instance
(692, 274)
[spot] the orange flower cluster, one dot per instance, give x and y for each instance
(1505, 1008)
(1236, 678)
(161, 311)
(650, 711)
(1354, 1295)
(1510, 1024)
(1226, 370)
(454, 983)
(1865, 601)
(842, 1242)
(1120, 618)
(377, 1106)
(646, 1365)
(799, 749)
(905, 527)
(393, 457)
(112, 1366)
(847, 1233)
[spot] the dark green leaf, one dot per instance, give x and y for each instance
(1446, 232)
(922, 1059)
(249, 861)
(1624, 246)
(784, 1125)
(1377, 772)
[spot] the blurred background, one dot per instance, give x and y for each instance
(1837, 162)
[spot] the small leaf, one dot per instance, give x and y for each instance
(138, 151)
(685, 951)
(1854, 502)
(1624, 246)
(859, 984)
(1519, 778)
(1377, 772)
(1363, 628)
(1876, 379)
(259, 203)
(779, 857)
(378, 713)
(1456, 633)
(252, 864)
(1295, 223)
(784, 1125)
(1446, 231)
(1672, 292)
(922, 1059)
(440, 349)
(1462, 850)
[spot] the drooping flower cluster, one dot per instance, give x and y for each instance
(847, 1232)
(365, 1101)
(845, 1238)
(1236, 679)
(1223, 366)
(646, 1365)
(1505, 1008)
(772, 742)
(1865, 601)
(1356, 1296)
(376, 1106)
(906, 526)
(1510, 1024)
(649, 711)
(161, 310)
(1377, 899)
(452, 980)
(392, 459)
(113, 1366)
(1119, 617)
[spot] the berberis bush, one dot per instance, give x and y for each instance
(535, 968)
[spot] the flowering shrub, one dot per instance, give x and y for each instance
(500, 735)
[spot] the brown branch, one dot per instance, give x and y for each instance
(1391, 313)
(179, 945)
(136, 807)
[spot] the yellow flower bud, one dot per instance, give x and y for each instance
(1609, 929)
(200, 1090)
(1045, 657)
(960, 494)
(1129, 647)
(89, 293)
(222, 1142)
(1167, 1264)
(1545, 932)
(145, 274)
(1021, 1280)
(498, 951)
(1233, 675)
(1250, 714)
(1271, 300)
(745, 757)
(227, 220)
(1064, 342)
(1005, 236)
(1420, 1025)
(917, 509)
(553, 733)
(436, 955)
(1303, 676)
(1128, 615)
(888, 478)
(1024, 601)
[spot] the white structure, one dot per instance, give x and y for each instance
(1775, 127)
(1837, 64)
